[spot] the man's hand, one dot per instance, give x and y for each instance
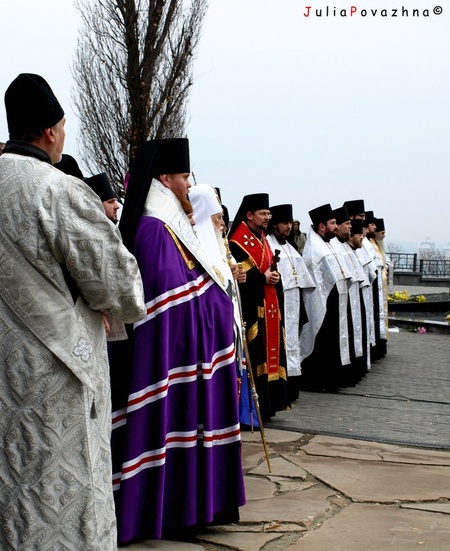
(234, 270)
(105, 323)
(238, 274)
(272, 278)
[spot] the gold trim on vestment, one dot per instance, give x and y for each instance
(276, 376)
(219, 275)
(190, 262)
(261, 312)
(247, 265)
(252, 333)
(261, 369)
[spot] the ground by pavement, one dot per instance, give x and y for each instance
(366, 469)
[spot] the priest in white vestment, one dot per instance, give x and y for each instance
(295, 279)
(62, 266)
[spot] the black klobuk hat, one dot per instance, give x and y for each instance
(341, 214)
(321, 214)
(102, 186)
(355, 207)
(357, 227)
(281, 213)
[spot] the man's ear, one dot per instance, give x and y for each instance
(49, 134)
(163, 179)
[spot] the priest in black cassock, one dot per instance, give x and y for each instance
(262, 303)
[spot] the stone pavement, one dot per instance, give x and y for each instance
(327, 493)
(404, 399)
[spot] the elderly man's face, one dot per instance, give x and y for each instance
(218, 223)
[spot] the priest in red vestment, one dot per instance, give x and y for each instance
(262, 303)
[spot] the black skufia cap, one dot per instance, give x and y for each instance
(379, 222)
(357, 227)
(69, 166)
(255, 201)
(341, 214)
(370, 218)
(355, 207)
(155, 157)
(321, 214)
(102, 186)
(31, 105)
(281, 213)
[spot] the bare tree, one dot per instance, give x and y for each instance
(432, 254)
(133, 73)
(393, 247)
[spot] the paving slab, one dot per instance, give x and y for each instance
(285, 485)
(252, 454)
(254, 528)
(378, 481)
(331, 446)
(377, 528)
(259, 488)
(279, 466)
(241, 541)
(292, 507)
(434, 507)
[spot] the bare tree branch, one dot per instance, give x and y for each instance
(133, 73)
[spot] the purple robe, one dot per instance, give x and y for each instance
(176, 438)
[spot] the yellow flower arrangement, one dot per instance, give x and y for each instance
(420, 298)
(398, 295)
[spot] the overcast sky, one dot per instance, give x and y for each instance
(311, 109)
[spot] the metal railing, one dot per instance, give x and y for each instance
(409, 262)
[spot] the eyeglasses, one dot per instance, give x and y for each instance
(264, 214)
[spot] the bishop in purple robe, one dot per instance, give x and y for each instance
(176, 437)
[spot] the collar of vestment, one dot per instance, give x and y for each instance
(162, 203)
(26, 149)
(318, 252)
(257, 249)
(281, 240)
